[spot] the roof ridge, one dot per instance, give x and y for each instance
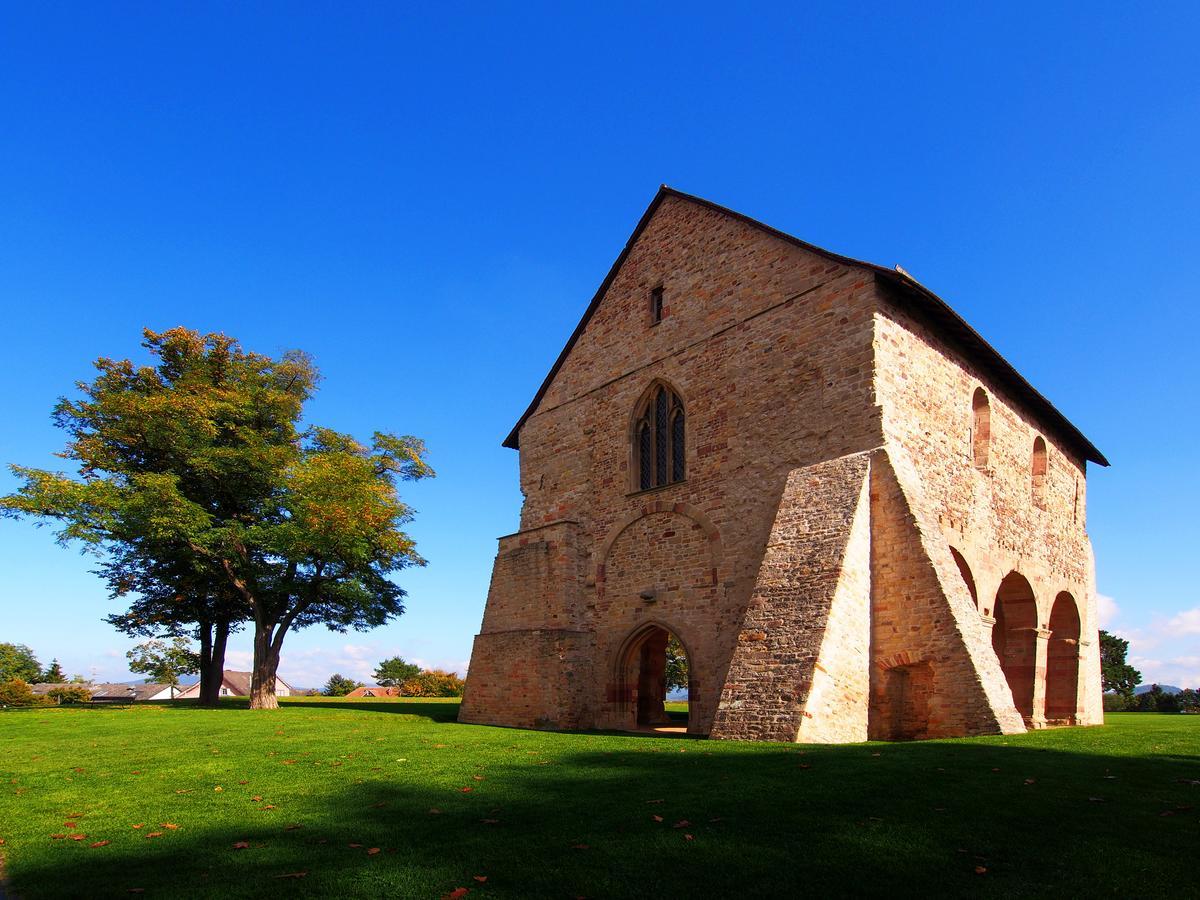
(924, 300)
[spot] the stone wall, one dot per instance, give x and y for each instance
(804, 381)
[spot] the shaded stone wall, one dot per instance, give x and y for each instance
(990, 514)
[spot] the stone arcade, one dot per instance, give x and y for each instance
(858, 519)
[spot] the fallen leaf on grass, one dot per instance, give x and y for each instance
(688, 837)
(490, 821)
(477, 777)
(292, 875)
(188, 791)
(171, 825)
(154, 834)
(682, 823)
(256, 798)
(70, 824)
(657, 818)
(1095, 799)
(218, 789)
(980, 870)
(480, 878)
(465, 790)
(243, 782)
(654, 801)
(74, 815)
(456, 893)
(101, 844)
(241, 845)
(372, 851)
(266, 807)
(435, 811)
(355, 846)
(292, 827)
(58, 837)
(1031, 781)
(138, 825)
(78, 836)
(289, 762)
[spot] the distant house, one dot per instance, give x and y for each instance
(112, 693)
(375, 691)
(235, 684)
(109, 692)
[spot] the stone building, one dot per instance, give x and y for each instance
(856, 517)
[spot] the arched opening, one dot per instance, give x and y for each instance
(1037, 468)
(981, 427)
(659, 450)
(653, 680)
(1014, 638)
(965, 571)
(1062, 662)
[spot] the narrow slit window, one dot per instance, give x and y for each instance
(656, 305)
(1038, 468)
(981, 428)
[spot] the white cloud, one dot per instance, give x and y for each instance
(1107, 608)
(1187, 622)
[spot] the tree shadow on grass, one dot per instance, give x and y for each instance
(599, 818)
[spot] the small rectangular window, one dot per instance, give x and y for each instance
(656, 305)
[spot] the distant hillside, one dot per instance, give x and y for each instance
(1166, 688)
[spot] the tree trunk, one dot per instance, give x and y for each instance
(216, 666)
(204, 631)
(266, 661)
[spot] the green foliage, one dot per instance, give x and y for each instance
(394, 671)
(1114, 702)
(1115, 674)
(339, 686)
(18, 662)
(70, 693)
(164, 662)
(1188, 700)
(54, 674)
(210, 502)
(16, 692)
(769, 819)
(677, 665)
(433, 683)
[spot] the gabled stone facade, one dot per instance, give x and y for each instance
(878, 532)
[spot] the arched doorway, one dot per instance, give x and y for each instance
(1062, 663)
(653, 666)
(1014, 638)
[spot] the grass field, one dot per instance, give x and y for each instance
(395, 798)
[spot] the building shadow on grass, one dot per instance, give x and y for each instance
(661, 819)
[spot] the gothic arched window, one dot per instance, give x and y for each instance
(658, 439)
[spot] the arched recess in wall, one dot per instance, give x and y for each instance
(1014, 638)
(981, 428)
(1037, 470)
(639, 675)
(1062, 662)
(683, 509)
(658, 438)
(965, 571)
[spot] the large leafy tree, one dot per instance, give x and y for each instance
(677, 665)
(1116, 675)
(17, 662)
(395, 671)
(197, 480)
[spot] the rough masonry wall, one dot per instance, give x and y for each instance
(800, 670)
(770, 348)
(925, 629)
(989, 514)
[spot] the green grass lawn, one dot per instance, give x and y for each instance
(317, 786)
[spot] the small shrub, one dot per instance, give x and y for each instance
(1114, 702)
(16, 692)
(70, 693)
(433, 683)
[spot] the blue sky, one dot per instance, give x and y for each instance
(426, 202)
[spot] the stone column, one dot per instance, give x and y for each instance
(1041, 655)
